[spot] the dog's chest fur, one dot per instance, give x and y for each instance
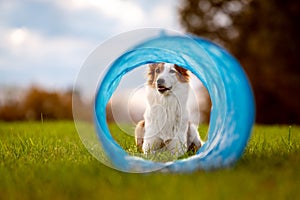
(166, 117)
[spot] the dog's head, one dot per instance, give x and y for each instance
(165, 76)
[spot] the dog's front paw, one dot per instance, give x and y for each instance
(193, 148)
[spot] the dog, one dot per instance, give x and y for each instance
(167, 125)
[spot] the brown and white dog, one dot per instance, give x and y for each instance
(167, 125)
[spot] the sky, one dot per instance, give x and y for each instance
(45, 42)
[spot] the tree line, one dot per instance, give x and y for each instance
(38, 104)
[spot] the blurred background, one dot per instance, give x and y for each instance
(43, 44)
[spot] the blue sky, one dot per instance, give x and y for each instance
(45, 42)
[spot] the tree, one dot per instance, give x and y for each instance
(264, 36)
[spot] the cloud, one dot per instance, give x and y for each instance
(30, 46)
(27, 56)
(48, 40)
(126, 11)
(127, 15)
(50, 19)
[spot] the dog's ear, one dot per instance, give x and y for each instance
(183, 74)
(152, 65)
(151, 72)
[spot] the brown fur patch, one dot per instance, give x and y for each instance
(139, 135)
(183, 74)
(153, 72)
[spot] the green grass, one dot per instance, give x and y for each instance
(48, 161)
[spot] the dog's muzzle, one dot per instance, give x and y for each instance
(161, 86)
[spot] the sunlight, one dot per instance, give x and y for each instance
(18, 36)
(125, 11)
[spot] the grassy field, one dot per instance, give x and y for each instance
(48, 161)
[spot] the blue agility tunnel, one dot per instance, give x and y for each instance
(233, 109)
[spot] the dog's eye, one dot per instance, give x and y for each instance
(157, 70)
(172, 71)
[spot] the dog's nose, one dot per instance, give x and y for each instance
(160, 81)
